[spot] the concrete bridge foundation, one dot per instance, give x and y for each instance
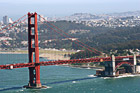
(110, 67)
(135, 63)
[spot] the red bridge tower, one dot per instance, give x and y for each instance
(33, 50)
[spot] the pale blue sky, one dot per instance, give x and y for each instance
(15, 8)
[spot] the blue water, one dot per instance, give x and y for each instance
(61, 79)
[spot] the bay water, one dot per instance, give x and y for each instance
(62, 79)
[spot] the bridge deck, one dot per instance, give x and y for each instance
(60, 62)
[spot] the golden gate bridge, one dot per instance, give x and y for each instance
(33, 49)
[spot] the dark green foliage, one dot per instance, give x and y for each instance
(134, 44)
(84, 54)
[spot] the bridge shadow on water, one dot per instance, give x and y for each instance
(65, 81)
(12, 88)
(58, 82)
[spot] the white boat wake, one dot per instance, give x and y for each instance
(92, 76)
(123, 76)
(127, 75)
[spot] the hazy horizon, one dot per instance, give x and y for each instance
(17, 8)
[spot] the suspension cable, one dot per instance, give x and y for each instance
(69, 39)
(70, 35)
(16, 24)
(12, 23)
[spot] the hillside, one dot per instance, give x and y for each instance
(102, 38)
(118, 35)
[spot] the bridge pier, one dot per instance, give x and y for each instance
(113, 65)
(135, 63)
(110, 67)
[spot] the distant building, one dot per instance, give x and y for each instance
(10, 20)
(5, 38)
(5, 20)
(1, 22)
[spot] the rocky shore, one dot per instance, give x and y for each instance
(54, 56)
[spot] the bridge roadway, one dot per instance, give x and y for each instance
(60, 62)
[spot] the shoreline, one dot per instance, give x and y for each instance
(49, 54)
(12, 53)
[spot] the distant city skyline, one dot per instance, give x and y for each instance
(51, 8)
